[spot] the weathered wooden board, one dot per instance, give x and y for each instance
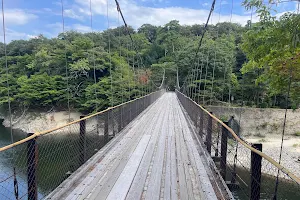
(156, 158)
(121, 187)
(137, 186)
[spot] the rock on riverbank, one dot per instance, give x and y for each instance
(35, 122)
(260, 121)
(271, 147)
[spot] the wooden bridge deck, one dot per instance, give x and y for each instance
(156, 158)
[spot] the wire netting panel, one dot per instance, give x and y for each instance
(247, 174)
(37, 166)
(15, 163)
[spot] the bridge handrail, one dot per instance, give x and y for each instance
(263, 155)
(36, 134)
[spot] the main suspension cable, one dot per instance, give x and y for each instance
(127, 29)
(140, 60)
(201, 39)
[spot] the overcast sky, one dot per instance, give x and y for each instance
(27, 18)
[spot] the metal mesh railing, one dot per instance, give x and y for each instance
(249, 173)
(38, 164)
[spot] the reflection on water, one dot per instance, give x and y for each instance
(7, 163)
(58, 157)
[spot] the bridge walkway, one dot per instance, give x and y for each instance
(156, 158)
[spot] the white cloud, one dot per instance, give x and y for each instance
(18, 17)
(72, 14)
(57, 28)
(224, 3)
(14, 35)
(81, 28)
(205, 4)
(137, 15)
(47, 9)
(32, 36)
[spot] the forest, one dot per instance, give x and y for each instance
(251, 65)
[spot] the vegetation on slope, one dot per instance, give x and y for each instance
(243, 64)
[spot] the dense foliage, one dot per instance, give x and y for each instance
(272, 47)
(235, 64)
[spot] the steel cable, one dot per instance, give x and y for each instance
(66, 59)
(200, 42)
(93, 54)
(16, 192)
(213, 75)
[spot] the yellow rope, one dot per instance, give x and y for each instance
(263, 155)
(36, 134)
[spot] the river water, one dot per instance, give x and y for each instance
(52, 167)
(6, 160)
(58, 157)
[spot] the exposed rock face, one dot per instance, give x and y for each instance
(35, 122)
(259, 122)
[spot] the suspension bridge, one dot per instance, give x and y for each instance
(159, 145)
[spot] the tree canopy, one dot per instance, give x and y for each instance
(236, 64)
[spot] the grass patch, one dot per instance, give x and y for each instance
(224, 118)
(259, 135)
(263, 140)
(296, 145)
(262, 126)
(231, 142)
(297, 133)
(275, 127)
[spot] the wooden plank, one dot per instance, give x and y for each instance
(193, 173)
(153, 191)
(174, 176)
(183, 192)
(69, 185)
(100, 171)
(167, 180)
(170, 187)
(206, 189)
(185, 157)
(137, 186)
(78, 190)
(115, 169)
(121, 187)
(156, 159)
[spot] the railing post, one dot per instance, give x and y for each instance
(82, 140)
(130, 112)
(197, 115)
(120, 119)
(112, 118)
(136, 108)
(219, 127)
(32, 157)
(223, 162)
(208, 135)
(255, 172)
(106, 121)
(201, 123)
